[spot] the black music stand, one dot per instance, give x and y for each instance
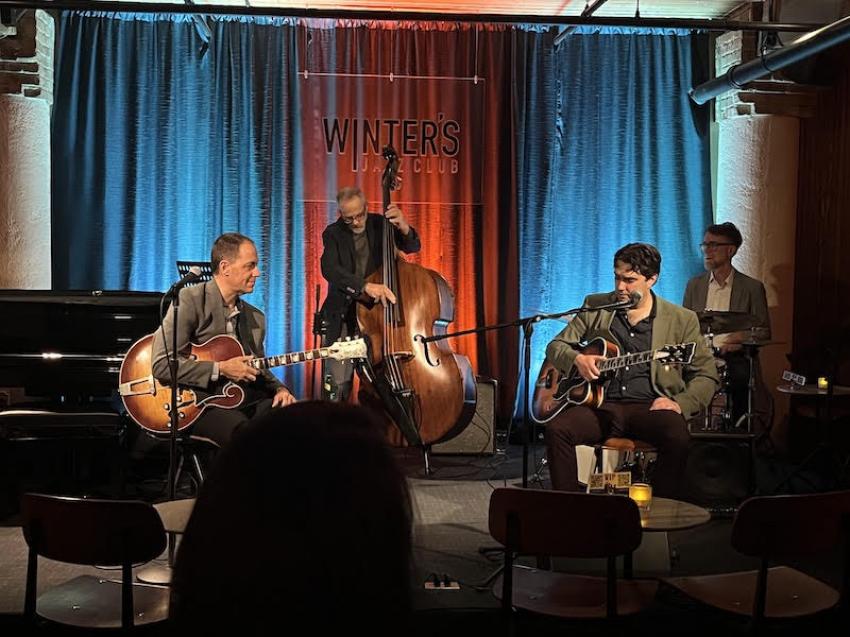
(183, 268)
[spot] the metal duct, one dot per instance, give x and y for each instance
(804, 47)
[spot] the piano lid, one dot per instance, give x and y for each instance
(60, 343)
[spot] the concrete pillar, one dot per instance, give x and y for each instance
(26, 94)
(757, 191)
(25, 192)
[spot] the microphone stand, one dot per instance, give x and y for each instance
(318, 331)
(175, 416)
(527, 323)
(161, 575)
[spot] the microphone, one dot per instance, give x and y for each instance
(190, 277)
(634, 298)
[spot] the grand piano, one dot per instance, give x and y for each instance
(66, 348)
(60, 354)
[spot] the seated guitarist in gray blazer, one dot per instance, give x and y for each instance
(216, 308)
(645, 402)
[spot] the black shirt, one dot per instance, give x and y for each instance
(632, 382)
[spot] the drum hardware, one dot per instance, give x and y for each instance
(718, 416)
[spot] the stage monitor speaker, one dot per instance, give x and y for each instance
(719, 472)
(478, 438)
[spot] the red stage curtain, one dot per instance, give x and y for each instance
(458, 184)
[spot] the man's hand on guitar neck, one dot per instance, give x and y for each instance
(586, 366)
(237, 369)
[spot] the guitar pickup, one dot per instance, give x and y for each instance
(402, 355)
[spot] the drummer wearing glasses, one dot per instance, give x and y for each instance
(723, 288)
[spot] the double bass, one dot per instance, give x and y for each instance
(428, 398)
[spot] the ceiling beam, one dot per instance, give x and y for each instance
(421, 16)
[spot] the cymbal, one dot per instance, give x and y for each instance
(758, 343)
(722, 322)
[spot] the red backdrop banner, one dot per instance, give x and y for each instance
(422, 92)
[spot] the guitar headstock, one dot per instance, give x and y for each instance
(680, 354)
(347, 349)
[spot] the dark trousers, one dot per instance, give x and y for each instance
(338, 376)
(221, 425)
(664, 429)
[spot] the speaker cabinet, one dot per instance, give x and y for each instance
(478, 438)
(719, 472)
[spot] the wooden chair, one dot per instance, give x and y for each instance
(771, 527)
(93, 532)
(562, 524)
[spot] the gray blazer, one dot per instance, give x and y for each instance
(201, 316)
(748, 295)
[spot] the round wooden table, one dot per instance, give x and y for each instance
(812, 390)
(653, 555)
(673, 515)
(175, 514)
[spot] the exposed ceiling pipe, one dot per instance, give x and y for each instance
(590, 9)
(422, 16)
(804, 47)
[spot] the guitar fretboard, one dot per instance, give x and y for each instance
(291, 359)
(629, 359)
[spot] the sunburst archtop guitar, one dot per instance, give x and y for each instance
(149, 402)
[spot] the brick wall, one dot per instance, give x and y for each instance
(26, 56)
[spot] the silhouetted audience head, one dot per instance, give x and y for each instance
(305, 520)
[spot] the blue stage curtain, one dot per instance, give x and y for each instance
(167, 131)
(610, 151)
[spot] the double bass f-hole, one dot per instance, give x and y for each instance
(421, 339)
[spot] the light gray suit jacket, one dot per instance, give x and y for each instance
(748, 295)
(200, 317)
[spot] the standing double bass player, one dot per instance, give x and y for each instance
(427, 399)
(351, 252)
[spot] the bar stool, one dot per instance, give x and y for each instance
(634, 451)
(190, 449)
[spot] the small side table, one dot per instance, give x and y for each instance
(665, 514)
(175, 515)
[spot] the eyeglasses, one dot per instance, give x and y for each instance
(713, 245)
(360, 216)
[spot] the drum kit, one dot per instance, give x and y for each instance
(720, 415)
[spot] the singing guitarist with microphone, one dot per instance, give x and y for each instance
(216, 308)
(649, 402)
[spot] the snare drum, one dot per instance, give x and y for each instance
(717, 416)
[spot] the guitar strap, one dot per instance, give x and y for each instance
(241, 336)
